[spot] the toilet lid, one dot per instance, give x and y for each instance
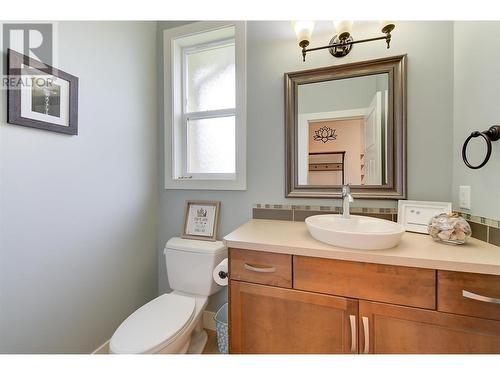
(156, 322)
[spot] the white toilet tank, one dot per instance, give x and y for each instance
(190, 264)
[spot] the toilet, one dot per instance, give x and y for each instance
(172, 322)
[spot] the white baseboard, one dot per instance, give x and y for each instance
(103, 349)
(208, 320)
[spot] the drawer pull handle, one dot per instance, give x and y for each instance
(366, 330)
(478, 297)
(259, 268)
(352, 318)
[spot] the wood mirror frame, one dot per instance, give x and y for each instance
(395, 188)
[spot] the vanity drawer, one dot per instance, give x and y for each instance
(408, 286)
(470, 294)
(260, 267)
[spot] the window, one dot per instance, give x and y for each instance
(209, 109)
(205, 106)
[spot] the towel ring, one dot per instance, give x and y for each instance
(490, 135)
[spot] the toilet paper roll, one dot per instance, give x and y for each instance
(220, 274)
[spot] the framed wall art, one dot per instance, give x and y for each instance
(41, 96)
(201, 220)
(416, 215)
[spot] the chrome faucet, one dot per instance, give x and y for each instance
(346, 200)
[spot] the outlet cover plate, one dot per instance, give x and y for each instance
(464, 197)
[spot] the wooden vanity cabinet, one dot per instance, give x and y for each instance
(282, 303)
(261, 268)
(391, 329)
(375, 282)
(469, 294)
(266, 319)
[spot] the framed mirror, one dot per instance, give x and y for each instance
(346, 124)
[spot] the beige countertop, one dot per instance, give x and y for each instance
(414, 250)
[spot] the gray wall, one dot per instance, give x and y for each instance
(272, 51)
(78, 213)
(476, 107)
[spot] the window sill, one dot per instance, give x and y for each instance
(188, 184)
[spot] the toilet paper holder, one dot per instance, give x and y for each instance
(223, 274)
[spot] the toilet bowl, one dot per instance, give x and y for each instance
(163, 325)
(172, 322)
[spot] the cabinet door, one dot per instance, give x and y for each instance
(265, 319)
(386, 329)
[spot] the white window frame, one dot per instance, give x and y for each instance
(175, 107)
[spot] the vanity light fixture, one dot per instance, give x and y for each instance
(341, 43)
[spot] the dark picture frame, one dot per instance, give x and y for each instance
(211, 234)
(17, 63)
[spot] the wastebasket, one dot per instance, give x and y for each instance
(221, 328)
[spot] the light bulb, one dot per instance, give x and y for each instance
(343, 27)
(303, 30)
(386, 26)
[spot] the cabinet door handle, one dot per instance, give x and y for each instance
(352, 318)
(259, 268)
(478, 297)
(366, 330)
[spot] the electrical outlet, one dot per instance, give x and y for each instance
(464, 197)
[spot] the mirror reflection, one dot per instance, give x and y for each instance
(342, 131)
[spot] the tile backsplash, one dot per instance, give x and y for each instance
(484, 229)
(300, 212)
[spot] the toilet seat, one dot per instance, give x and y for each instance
(154, 325)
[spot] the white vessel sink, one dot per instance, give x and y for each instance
(357, 232)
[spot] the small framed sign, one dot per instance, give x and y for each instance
(416, 215)
(201, 220)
